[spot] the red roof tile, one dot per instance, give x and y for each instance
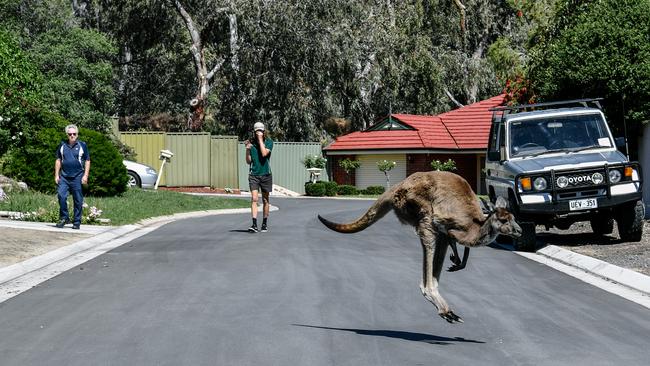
(467, 127)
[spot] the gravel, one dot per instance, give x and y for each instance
(609, 248)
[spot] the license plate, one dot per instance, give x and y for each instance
(585, 204)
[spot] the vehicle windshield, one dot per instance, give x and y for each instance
(558, 134)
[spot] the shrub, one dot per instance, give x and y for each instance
(315, 189)
(34, 163)
(330, 188)
(314, 161)
(374, 190)
(447, 166)
(347, 190)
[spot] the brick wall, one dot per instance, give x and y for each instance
(465, 164)
(337, 174)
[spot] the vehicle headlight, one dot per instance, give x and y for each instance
(562, 182)
(614, 176)
(540, 183)
(597, 178)
(151, 171)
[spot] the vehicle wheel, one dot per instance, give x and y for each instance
(134, 180)
(630, 221)
(527, 242)
(602, 224)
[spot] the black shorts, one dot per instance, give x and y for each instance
(265, 182)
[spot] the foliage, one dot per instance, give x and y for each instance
(19, 93)
(597, 49)
(331, 188)
(317, 189)
(385, 165)
(347, 190)
(30, 162)
(448, 165)
(122, 209)
(78, 72)
(348, 166)
(373, 190)
(314, 161)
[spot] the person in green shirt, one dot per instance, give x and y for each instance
(258, 156)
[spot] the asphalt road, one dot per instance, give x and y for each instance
(205, 292)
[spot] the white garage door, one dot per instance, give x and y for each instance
(369, 175)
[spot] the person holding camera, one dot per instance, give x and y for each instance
(258, 156)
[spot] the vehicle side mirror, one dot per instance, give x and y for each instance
(493, 155)
(620, 142)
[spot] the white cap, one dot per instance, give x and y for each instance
(258, 126)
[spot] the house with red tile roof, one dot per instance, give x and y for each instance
(413, 142)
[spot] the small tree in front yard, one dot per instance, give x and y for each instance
(349, 165)
(448, 165)
(386, 166)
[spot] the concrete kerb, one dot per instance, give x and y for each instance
(626, 283)
(20, 277)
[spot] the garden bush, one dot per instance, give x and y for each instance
(347, 190)
(317, 189)
(33, 162)
(374, 190)
(331, 188)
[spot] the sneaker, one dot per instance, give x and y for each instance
(76, 226)
(62, 223)
(252, 229)
(264, 228)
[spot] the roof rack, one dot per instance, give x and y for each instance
(582, 102)
(537, 106)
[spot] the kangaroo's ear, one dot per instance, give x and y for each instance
(486, 206)
(501, 202)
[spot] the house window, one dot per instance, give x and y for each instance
(389, 123)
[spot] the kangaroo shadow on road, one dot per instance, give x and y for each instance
(408, 336)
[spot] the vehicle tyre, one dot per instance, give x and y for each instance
(527, 242)
(134, 180)
(630, 221)
(602, 224)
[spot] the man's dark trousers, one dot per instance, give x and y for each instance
(72, 185)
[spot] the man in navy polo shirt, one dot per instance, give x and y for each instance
(70, 172)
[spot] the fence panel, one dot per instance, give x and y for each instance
(286, 164)
(224, 162)
(147, 146)
(190, 165)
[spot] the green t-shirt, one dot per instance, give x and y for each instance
(261, 165)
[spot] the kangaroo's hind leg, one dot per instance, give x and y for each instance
(432, 262)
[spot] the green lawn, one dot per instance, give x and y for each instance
(130, 208)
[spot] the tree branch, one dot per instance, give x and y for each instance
(196, 48)
(461, 9)
(453, 100)
(216, 68)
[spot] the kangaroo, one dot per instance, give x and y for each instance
(443, 209)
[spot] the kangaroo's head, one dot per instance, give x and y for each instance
(500, 219)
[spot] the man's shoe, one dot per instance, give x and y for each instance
(264, 228)
(76, 226)
(62, 223)
(252, 229)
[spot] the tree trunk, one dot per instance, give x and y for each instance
(198, 104)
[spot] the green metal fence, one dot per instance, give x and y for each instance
(286, 164)
(201, 160)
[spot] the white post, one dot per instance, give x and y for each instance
(160, 173)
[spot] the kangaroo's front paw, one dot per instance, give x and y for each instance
(455, 267)
(450, 317)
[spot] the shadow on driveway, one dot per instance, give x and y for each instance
(408, 336)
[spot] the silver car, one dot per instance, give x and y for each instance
(140, 175)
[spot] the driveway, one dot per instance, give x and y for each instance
(205, 292)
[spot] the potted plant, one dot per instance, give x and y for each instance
(314, 164)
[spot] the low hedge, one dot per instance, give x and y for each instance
(374, 190)
(347, 190)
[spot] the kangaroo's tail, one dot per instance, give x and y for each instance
(378, 210)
